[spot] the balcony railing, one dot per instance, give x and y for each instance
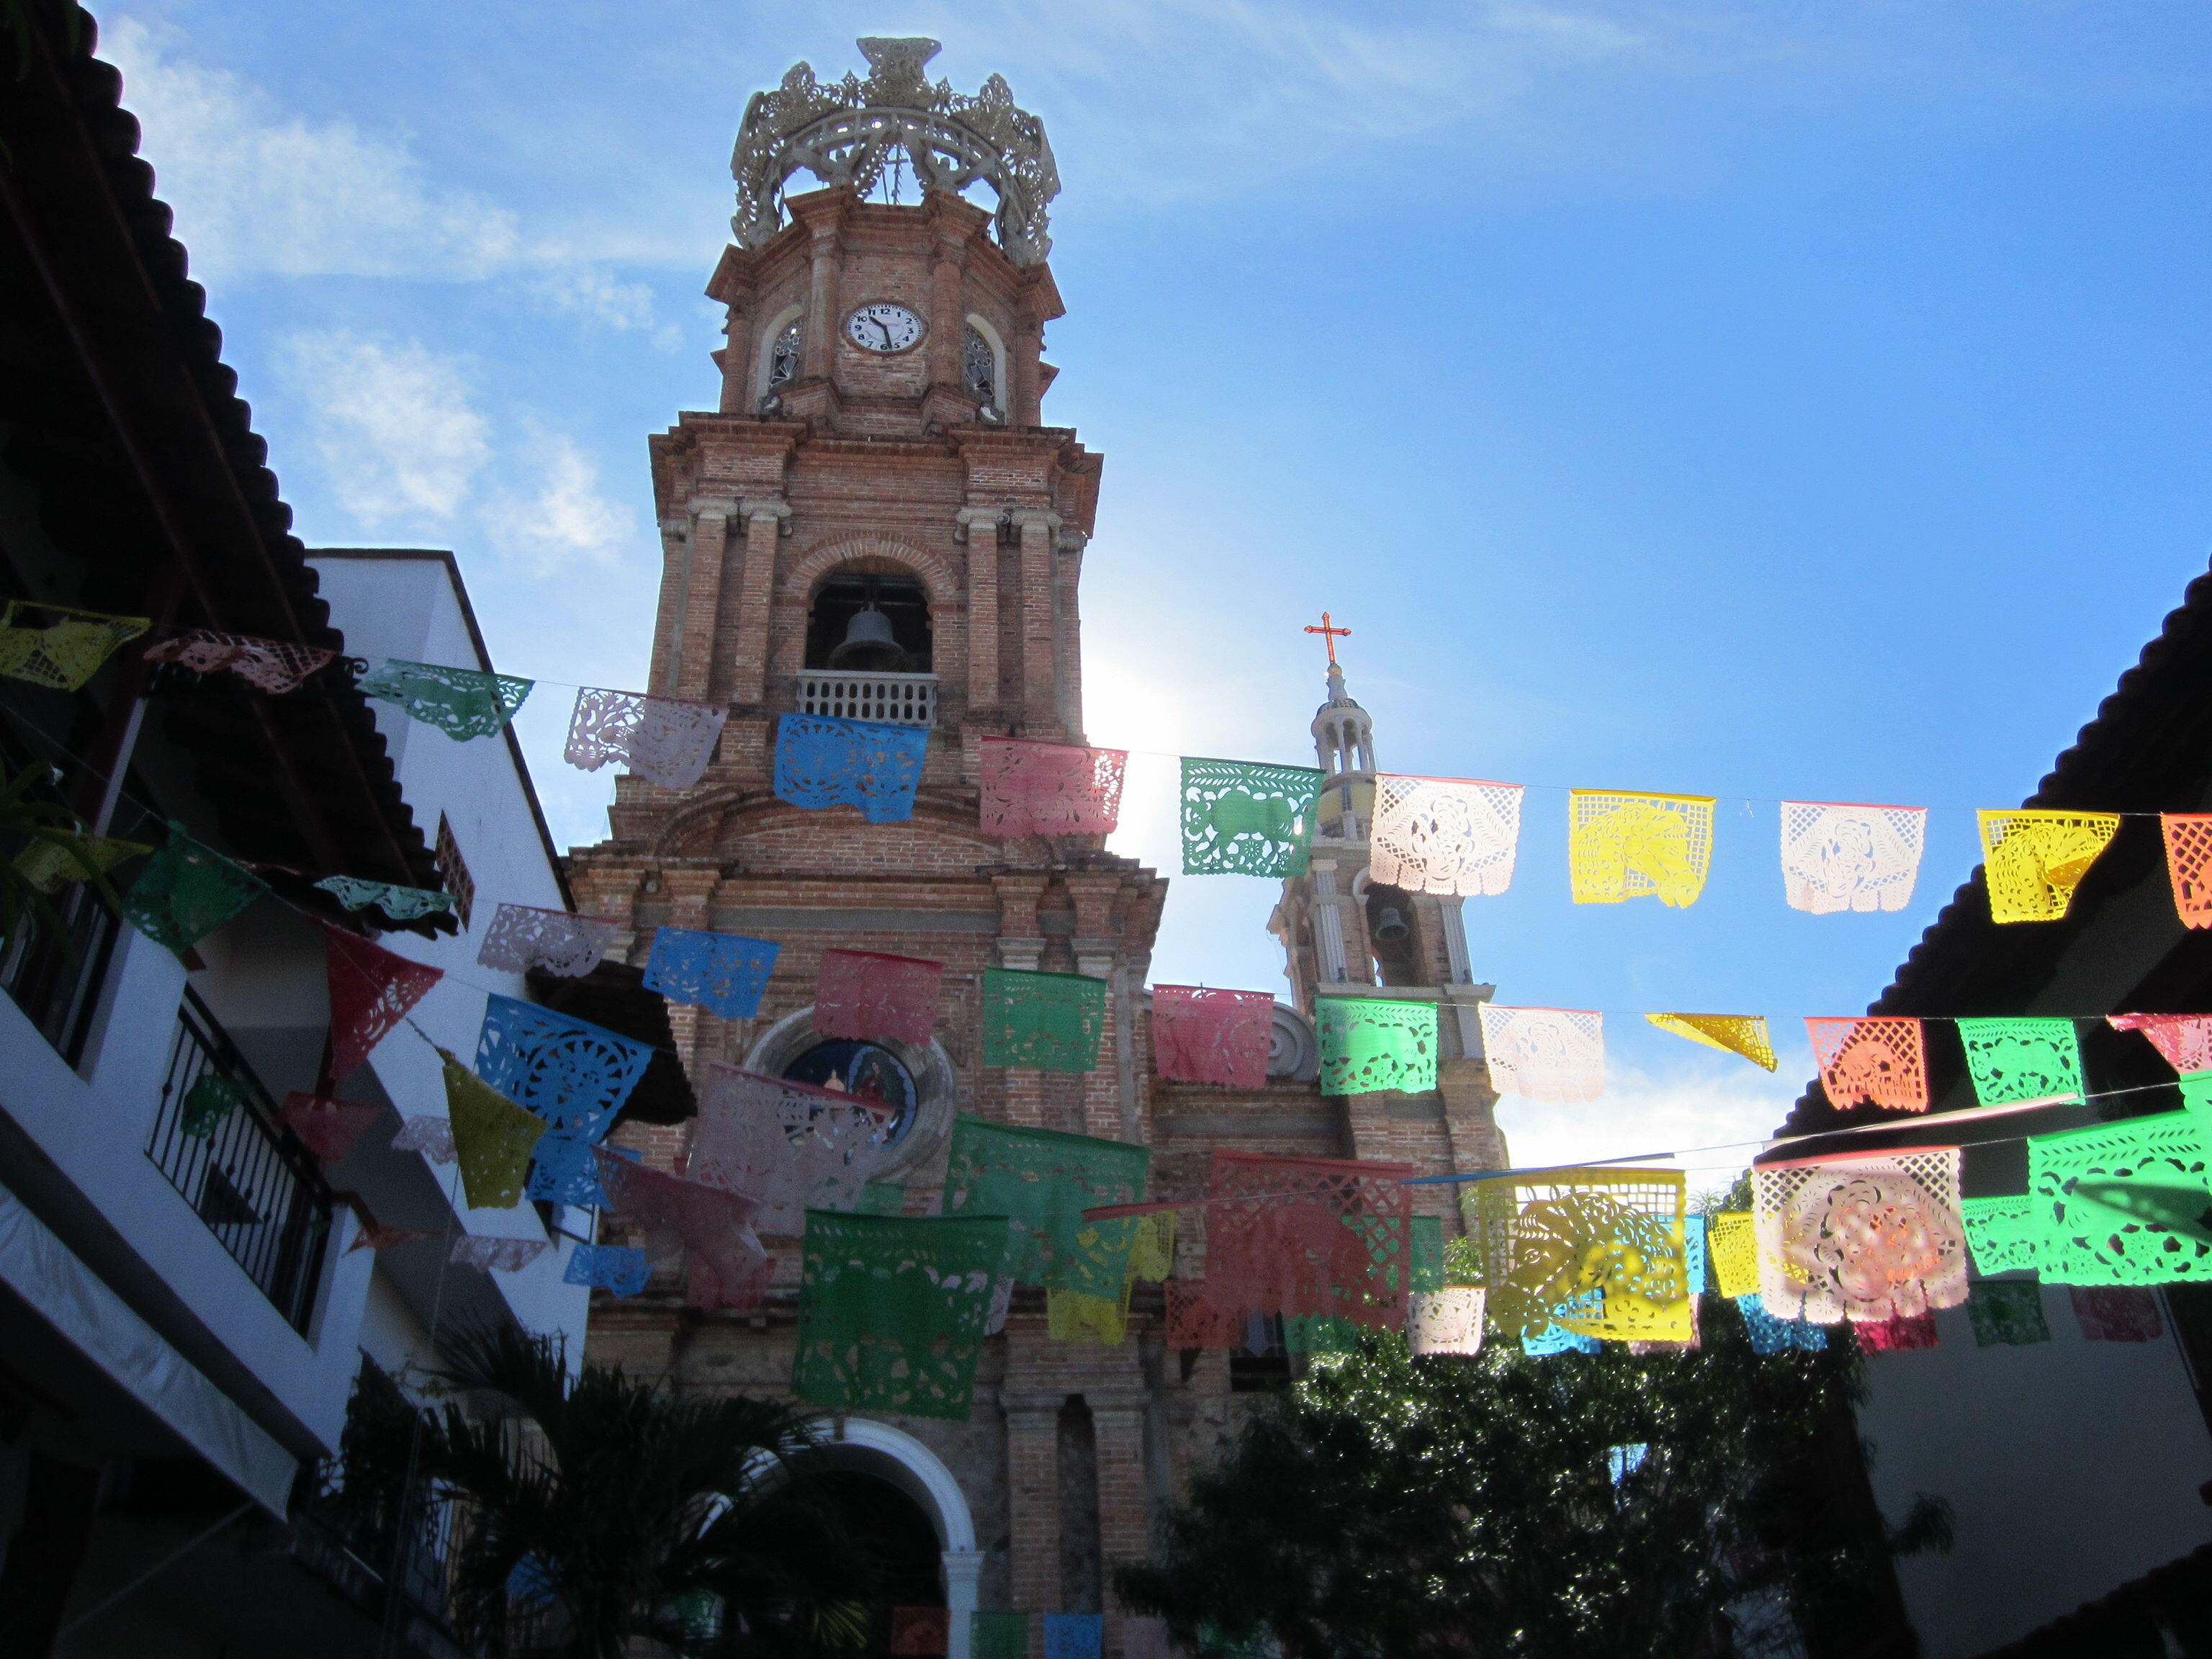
(249, 1178)
(895, 699)
(54, 975)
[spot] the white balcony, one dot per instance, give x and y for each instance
(894, 699)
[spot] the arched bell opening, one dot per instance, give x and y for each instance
(869, 623)
(1390, 936)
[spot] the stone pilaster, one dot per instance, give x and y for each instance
(766, 518)
(978, 526)
(1033, 1506)
(1037, 528)
(702, 598)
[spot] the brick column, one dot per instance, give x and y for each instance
(702, 598)
(1117, 1420)
(1033, 1506)
(1037, 526)
(978, 526)
(765, 517)
(818, 337)
(1097, 953)
(1068, 568)
(668, 617)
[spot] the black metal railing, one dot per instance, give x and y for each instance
(248, 1177)
(55, 975)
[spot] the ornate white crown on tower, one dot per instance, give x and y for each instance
(845, 133)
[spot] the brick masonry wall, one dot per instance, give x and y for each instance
(873, 466)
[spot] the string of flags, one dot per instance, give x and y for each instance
(1442, 835)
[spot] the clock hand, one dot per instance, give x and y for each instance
(882, 329)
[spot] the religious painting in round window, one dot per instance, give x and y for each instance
(866, 1070)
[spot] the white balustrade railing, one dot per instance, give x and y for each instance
(897, 699)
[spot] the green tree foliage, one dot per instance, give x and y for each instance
(1390, 1505)
(627, 1512)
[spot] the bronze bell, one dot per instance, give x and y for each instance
(1390, 927)
(869, 645)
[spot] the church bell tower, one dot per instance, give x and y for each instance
(875, 523)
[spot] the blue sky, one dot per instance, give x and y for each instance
(1763, 401)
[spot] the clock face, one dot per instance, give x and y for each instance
(883, 326)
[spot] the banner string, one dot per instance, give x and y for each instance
(342, 939)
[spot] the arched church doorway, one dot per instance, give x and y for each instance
(913, 1517)
(891, 1531)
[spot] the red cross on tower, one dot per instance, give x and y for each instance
(1329, 635)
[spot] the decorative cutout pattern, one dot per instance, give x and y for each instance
(48, 865)
(2116, 1313)
(492, 1136)
(999, 1636)
(212, 1099)
(789, 1146)
(615, 1268)
(1074, 1635)
(2122, 1203)
(433, 1137)
(1769, 1335)
(1622, 845)
(1732, 1034)
(678, 1217)
(562, 1170)
(186, 891)
(1032, 788)
(870, 996)
(1193, 1322)
(1245, 818)
(2189, 865)
(573, 1073)
(272, 666)
(1900, 1331)
(1102, 1320)
(722, 973)
(2006, 1313)
(1445, 834)
(918, 1630)
(1051, 1022)
(1734, 1249)
(400, 903)
(1842, 856)
(2002, 1232)
(64, 654)
(2186, 1040)
(2033, 860)
(1308, 1235)
(1367, 1045)
(1448, 1320)
(666, 740)
(1879, 1059)
(1598, 1252)
(1544, 1054)
(1203, 1035)
(328, 1128)
(891, 1311)
(496, 1255)
(522, 937)
(2016, 1060)
(462, 702)
(820, 762)
(1042, 1181)
(1153, 1246)
(371, 989)
(1864, 1238)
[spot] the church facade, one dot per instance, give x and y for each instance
(877, 523)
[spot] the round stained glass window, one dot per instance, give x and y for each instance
(864, 1070)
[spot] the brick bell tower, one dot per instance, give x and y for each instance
(876, 524)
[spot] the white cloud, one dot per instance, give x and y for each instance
(258, 189)
(398, 431)
(1727, 1107)
(567, 522)
(592, 292)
